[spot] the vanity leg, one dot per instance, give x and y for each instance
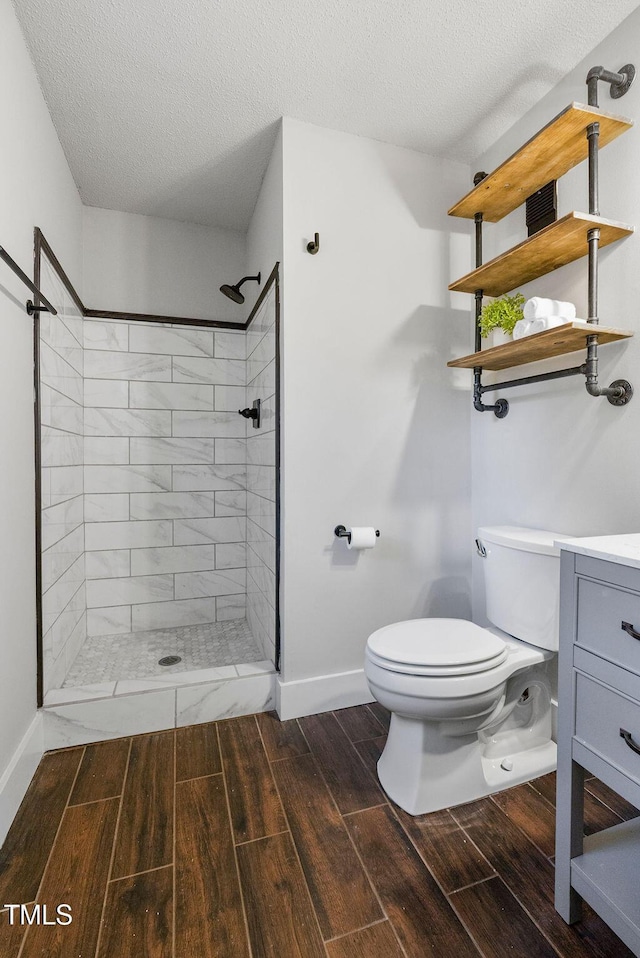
(569, 838)
(570, 776)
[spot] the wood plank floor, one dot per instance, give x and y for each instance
(255, 838)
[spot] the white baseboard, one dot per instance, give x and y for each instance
(17, 776)
(341, 690)
(321, 694)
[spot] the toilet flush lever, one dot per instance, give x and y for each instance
(481, 549)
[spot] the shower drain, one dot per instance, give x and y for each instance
(169, 660)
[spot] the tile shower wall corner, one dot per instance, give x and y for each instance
(62, 515)
(261, 479)
(165, 476)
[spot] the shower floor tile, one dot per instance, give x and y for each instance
(112, 658)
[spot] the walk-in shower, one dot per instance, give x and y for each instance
(157, 512)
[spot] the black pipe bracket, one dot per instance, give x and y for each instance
(618, 82)
(621, 392)
(628, 71)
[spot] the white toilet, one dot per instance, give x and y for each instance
(471, 707)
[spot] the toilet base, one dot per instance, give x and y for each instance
(422, 770)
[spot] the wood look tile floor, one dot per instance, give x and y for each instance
(252, 837)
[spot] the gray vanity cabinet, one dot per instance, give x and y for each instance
(599, 732)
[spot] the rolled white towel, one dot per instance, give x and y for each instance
(539, 308)
(547, 322)
(522, 328)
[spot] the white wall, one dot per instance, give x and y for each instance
(265, 233)
(375, 427)
(563, 460)
(147, 264)
(36, 189)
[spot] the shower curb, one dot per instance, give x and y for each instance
(136, 713)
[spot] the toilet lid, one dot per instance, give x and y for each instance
(436, 647)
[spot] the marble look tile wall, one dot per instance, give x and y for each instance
(261, 479)
(62, 517)
(164, 477)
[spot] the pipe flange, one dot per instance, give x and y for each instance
(619, 89)
(501, 408)
(625, 396)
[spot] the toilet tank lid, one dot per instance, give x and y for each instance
(526, 540)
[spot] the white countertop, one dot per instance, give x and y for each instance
(624, 549)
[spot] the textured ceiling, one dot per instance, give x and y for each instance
(170, 107)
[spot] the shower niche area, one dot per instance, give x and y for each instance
(157, 508)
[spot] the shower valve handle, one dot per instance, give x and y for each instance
(252, 412)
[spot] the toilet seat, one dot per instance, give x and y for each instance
(436, 647)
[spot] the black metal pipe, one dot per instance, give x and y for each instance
(591, 370)
(477, 338)
(593, 135)
(593, 239)
(541, 378)
(591, 374)
(478, 405)
(619, 80)
(477, 219)
(11, 263)
(612, 392)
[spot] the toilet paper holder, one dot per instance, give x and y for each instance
(343, 533)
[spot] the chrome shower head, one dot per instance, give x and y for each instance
(233, 292)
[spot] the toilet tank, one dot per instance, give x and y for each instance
(522, 582)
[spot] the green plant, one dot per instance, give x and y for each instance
(501, 313)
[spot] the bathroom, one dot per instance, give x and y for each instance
(375, 430)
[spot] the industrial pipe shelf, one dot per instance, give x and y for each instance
(573, 135)
(548, 155)
(552, 342)
(556, 245)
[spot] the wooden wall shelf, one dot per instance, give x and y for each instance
(556, 245)
(553, 151)
(552, 342)
(575, 134)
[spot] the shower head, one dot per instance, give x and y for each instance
(233, 292)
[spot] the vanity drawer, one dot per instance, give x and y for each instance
(600, 715)
(601, 611)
